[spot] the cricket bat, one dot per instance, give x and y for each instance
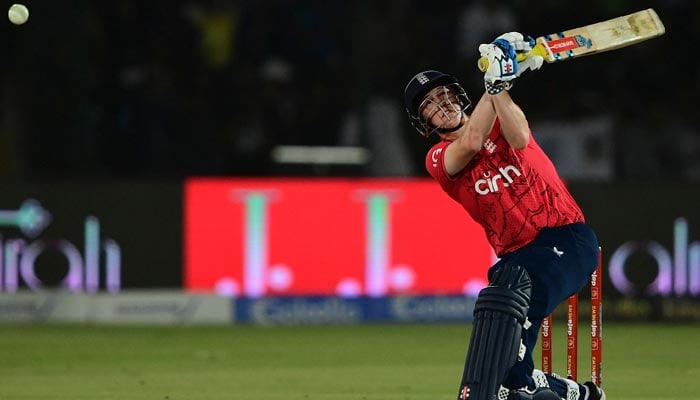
(595, 38)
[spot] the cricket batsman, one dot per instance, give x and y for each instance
(489, 162)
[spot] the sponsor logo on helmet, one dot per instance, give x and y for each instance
(422, 79)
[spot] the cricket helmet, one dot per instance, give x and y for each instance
(422, 84)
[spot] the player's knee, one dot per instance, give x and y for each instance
(508, 292)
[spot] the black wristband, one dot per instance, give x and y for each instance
(496, 88)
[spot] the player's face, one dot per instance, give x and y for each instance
(441, 109)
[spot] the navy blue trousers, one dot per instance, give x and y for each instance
(560, 262)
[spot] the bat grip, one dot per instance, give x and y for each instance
(538, 50)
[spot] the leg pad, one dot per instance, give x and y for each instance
(499, 314)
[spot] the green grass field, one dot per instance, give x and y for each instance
(369, 362)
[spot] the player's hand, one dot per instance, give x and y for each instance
(521, 43)
(524, 44)
(532, 63)
(502, 65)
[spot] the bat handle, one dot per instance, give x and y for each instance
(538, 50)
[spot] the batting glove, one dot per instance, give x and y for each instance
(522, 44)
(502, 65)
(531, 62)
(496, 88)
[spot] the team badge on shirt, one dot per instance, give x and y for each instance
(489, 146)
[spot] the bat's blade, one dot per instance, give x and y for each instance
(595, 38)
(603, 36)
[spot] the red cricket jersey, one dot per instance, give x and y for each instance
(512, 193)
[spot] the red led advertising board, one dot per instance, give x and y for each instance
(346, 237)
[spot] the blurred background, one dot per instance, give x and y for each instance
(222, 147)
(249, 163)
(164, 89)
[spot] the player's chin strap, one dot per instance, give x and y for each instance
(450, 130)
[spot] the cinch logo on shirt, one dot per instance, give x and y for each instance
(490, 184)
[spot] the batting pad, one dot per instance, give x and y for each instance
(499, 315)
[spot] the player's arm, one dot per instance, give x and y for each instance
(503, 68)
(514, 126)
(476, 130)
